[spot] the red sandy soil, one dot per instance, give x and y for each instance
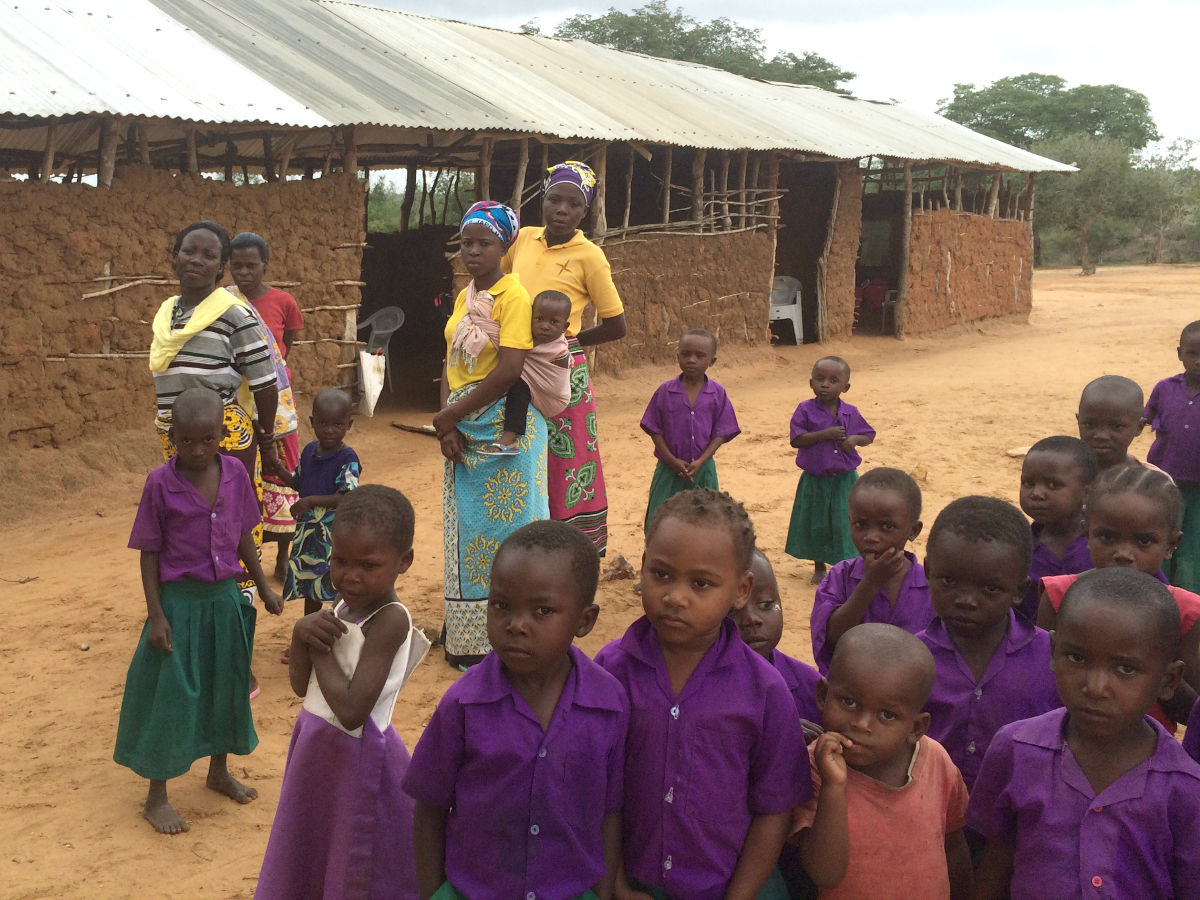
(948, 407)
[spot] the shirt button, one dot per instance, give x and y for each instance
(1097, 881)
(978, 693)
(667, 863)
(534, 830)
(1097, 809)
(674, 712)
(670, 798)
(214, 515)
(971, 747)
(542, 753)
(531, 896)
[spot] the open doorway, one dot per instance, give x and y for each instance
(877, 272)
(804, 211)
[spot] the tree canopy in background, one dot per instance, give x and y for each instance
(659, 30)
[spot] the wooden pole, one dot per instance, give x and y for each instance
(755, 173)
(666, 200)
(285, 157)
(453, 189)
(905, 240)
(1031, 183)
(743, 162)
(958, 180)
(268, 160)
(109, 135)
(698, 161)
(628, 189)
(483, 186)
(193, 158)
(600, 216)
(230, 158)
(51, 149)
(726, 222)
(410, 190)
(349, 151)
(773, 191)
(823, 261)
(143, 143)
(519, 180)
(432, 195)
(993, 197)
(327, 162)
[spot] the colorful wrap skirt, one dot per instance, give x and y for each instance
(278, 498)
(194, 701)
(575, 476)
(484, 500)
(820, 526)
(666, 483)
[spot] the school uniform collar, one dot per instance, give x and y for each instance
(641, 643)
(178, 484)
(576, 240)
(584, 687)
(914, 579)
(676, 386)
(1020, 634)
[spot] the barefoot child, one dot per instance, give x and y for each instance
(328, 470)
(1095, 800)
(546, 379)
(1132, 522)
(826, 432)
(884, 582)
(711, 765)
(1055, 477)
(518, 776)
(760, 623)
(1174, 416)
(187, 694)
(344, 825)
(888, 816)
(1109, 418)
(688, 418)
(993, 667)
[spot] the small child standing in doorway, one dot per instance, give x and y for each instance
(187, 694)
(826, 433)
(1174, 416)
(546, 378)
(688, 418)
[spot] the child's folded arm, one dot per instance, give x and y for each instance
(353, 698)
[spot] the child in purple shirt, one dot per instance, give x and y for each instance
(688, 418)
(1095, 800)
(1109, 418)
(712, 761)
(885, 583)
(1055, 476)
(993, 667)
(826, 433)
(518, 776)
(1174, 415)
(187, 693)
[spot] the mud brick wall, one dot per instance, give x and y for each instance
(56, 240)
(963, 267)
(839, 262)
(672, 282)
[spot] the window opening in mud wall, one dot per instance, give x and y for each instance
(805, 205)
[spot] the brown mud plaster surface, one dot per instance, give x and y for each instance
(963, 267)
(55, 241)
(843, 252)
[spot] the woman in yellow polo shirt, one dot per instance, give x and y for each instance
(557, 257)
(484, 497)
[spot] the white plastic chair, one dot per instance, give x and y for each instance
(785, 304)
(383, 324)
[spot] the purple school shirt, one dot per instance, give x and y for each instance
(826, 457)
(912, 612)
(1017, 684)
(1174, 415)
(688, 429)
(1075, 560)
(525, 804)
(700, 767)
(1191, 737)
(193, 539)
(801, 680)
(1137, 838)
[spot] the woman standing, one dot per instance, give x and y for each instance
(484, 497)
(557, 257)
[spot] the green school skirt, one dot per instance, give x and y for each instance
(774, 889)
(449, 892)
(1184, 567)
(820, 526)
(666, 483)
(195, 700)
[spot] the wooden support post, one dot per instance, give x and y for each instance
(698, 161)
(327, 162)
(410, 190)
(143, 143)
(599, 207)
(726, 222)
(958, 180)
(628, 189)
(285, 157)
(519, 180)
(483, 184)
(193, 158)
(666, 199)
(432, 195)
(545, 163)
(349, 151)
(51, 149)
(109, 135)
(994, 196)
(823, 261)
(453, 190)
(905, 241)
(755, 173)
(773, 191)
(230, 158)
(1030, 184)
(743, 162)
(268, 160)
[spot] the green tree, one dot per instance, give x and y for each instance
(659, 30)
(1169, 197)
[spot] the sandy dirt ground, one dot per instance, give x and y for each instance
(947, 407)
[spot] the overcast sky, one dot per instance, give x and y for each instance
(916, 51)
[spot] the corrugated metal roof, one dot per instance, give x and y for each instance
(323, 63)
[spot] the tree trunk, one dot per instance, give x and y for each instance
(1086, 264)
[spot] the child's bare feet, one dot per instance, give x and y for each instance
(159, 813)
(818, 572)
(222, 782)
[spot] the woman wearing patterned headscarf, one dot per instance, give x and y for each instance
(484, 497)
(557, 257)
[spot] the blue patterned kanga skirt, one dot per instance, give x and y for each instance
(484, 500)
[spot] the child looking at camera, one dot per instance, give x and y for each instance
(993, 667)
(826, 433)
(1055, 476)
(1097, 799)
(187, 693)
(888, 816)
(518, 776)
(711, 764)
(884, 582)
(1109, 418)
(344, 826)
(688, 418)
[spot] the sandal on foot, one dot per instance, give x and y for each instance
(495, 449)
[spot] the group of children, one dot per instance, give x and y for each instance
(953, 745)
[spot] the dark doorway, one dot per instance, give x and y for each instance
(804, 223)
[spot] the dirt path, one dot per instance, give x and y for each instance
(947, 409)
